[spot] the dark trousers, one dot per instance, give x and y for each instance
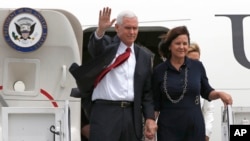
(111, 122)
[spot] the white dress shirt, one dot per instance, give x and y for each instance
(118, 84)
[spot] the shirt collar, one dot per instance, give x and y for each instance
(184, 65)
(123, 47)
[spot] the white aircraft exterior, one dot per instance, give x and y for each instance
(221, 28)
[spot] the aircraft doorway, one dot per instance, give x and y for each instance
(148, 37)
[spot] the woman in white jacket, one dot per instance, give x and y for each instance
(206, 106)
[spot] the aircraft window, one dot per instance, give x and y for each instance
(19, 86)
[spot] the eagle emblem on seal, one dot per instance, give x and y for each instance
(24, 27)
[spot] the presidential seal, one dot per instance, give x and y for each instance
(25, 29)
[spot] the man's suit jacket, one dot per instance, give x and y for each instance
(103, 52)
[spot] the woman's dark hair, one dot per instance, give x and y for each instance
(167, 39)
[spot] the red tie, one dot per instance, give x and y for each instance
(119, 60)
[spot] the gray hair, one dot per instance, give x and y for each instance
(127, 13)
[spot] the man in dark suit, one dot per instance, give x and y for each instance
(123, 95)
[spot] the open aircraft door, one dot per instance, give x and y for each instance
(40, 124)
(37, 46)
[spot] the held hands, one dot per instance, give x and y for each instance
(150, 128)
(104, 21)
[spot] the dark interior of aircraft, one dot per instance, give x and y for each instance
(147, 37)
